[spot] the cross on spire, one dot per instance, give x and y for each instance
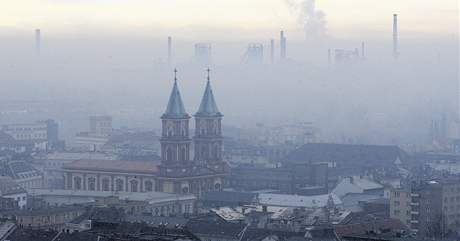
(175, 74)
(208, 70)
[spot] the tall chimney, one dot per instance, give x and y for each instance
(329, 57)
(363, 53)
(169, 50)
(272, 51)
(282, 46)
(395, 36)
(37, 42)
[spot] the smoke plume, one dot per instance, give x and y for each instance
(312, 20)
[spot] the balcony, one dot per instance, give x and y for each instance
(414, 212)
(415, 195)
(414, 204)
(413, 221)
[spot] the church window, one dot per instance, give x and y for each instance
(77, 183)
(216, 151)
(134, 184)
(185, 190)
(169, 154)
(92, 184)
(148, 186)
(105, 184)
(183, 154)
(203, 152)
(119, 184)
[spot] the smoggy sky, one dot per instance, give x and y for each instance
(253, 17)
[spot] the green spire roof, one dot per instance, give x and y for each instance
(175, 107)
(208, 106)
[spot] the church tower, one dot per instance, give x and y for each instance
(178, 173)
(208, 132)
(175, 142)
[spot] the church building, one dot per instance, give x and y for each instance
(179, 171)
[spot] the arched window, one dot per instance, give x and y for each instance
(169, 154)
(148, 186)
(203, 152)
(77, 183)
(183, 154)
(216, 151)
(105, 184)
(92, 184)
(134, 184)
(119, 185)
(217, 186)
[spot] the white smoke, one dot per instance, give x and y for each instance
(312, 20)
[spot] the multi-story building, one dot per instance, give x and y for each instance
(41, 135)
(23, 173)
(400, 206)
(429, 208)
(100, 129)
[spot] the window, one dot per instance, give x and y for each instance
(119, 185)
(105, 184)
(134, 184)
(92, 184)
(148, 186)
(185, 190)
(396, 203)
(77, 183)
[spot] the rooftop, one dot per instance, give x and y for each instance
(283, 200)
(151, 197)
(144, 167)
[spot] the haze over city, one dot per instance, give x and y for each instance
(331, 120)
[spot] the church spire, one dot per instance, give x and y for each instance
(175, 107)
(208, 106)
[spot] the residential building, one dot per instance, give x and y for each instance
(37, 136)
(434, 207)
(23, 173)
(100, 129)
(12, 195)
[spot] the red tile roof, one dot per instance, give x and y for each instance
(144, 167)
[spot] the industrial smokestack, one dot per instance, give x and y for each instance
(272, 51)
(37, 42)
(169, 50)
(329, 57)
(395, 36)
(282, 46)
(363, 53)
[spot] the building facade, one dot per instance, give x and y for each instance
(429, 208)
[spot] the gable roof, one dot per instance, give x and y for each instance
(208, 106)
(175, 108)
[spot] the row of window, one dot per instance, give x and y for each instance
(119, 185)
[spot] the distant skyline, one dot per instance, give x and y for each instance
(343, 18)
